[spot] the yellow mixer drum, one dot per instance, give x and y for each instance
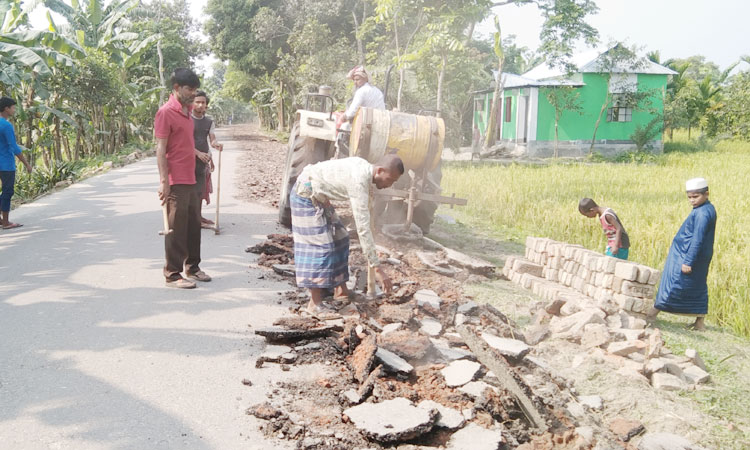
(418, 140)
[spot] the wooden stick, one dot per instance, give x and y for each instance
(166, 229)
(218, 194)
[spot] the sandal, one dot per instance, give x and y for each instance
(181, 283)
(10, 226)
(322, 313)
(200, 276)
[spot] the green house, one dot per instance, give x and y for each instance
(633, 90)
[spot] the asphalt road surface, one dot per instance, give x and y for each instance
(96, 353)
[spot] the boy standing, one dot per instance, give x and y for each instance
(175, 156)
(683, 288)
(203, 132)
(618, 242)
(8, 149)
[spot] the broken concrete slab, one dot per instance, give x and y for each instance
(460, 372)
(286, 270)
(363, 358)
(595, 335)
(351, 397)
(512, 348)
(592, 401)
(391, 327)
(449, 418)
(392, 420)
(474, 437)
(574, 324)
(623, 348)
(467, 308)
(695, 358)
(406, 344)
(390, 313)
(392, 362)
(470, 263)
(431, 261)
(449, 353)
(626, 429)
(694, 374)
(426, 297)
(666, 382)
(431, 327)
(278, 334)
(575, 409)
(666, 441)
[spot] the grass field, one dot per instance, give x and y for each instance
(522, 200)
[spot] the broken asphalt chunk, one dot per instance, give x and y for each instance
(392, 420)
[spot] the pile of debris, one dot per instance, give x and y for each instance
(600, 304)
(277, 250)
(424, 367)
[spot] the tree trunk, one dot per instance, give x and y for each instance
(489, 136)
(360, 45)
(161, 72)
(689, 131)
(57, 139)
(557, 140)
(598, 121)
(441, 77)
(280, 106)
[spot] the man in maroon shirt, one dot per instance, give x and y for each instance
(175, 156)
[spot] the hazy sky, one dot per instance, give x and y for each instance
(717, 29)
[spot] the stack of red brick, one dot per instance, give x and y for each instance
(559, 270)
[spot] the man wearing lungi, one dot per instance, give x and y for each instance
(321, 242)
(683, 288)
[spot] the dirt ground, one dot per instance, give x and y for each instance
(262, 166)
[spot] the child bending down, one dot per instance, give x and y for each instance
(618, 242)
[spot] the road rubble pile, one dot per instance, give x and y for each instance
(427, 367)
(599, 301)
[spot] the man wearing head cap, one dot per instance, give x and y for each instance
(365, 95)
(683, 288)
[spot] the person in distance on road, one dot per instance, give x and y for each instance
(321, 242)
(9, 151)
(175, 156)
(683, 288)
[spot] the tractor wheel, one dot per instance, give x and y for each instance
(395, 211)
(302, 151)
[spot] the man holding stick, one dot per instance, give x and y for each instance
(175, 156)
(203, 134)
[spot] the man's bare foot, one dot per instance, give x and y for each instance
(11, 225)
(698, 325)
(341, 292)
(208, 221)
(651, 315)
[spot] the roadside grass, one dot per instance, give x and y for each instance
(519, 200)
(727, 356)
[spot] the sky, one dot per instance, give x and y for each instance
(716, 29)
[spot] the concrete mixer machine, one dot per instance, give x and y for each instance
(417, 139)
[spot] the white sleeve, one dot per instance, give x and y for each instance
(359, 97)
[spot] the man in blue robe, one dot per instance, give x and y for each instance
(683, 288)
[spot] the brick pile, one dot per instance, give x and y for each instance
(557, 270)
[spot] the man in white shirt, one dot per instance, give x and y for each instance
(365, 95)
(321, 242)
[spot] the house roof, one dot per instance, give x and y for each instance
(513, 81)
(591, 62)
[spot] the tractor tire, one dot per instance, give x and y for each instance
(395, 211)
(301, 152)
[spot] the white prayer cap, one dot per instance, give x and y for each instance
(696, 184)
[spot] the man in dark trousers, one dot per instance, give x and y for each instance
(9, 151)
(175, 156)
(203, 133)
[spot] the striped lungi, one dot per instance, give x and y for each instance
(321, 244)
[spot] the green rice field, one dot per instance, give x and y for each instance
(649, 197)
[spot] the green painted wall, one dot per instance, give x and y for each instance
(481, 115)
(574, 126)
(509, 128)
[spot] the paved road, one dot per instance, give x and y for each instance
(95, 353)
